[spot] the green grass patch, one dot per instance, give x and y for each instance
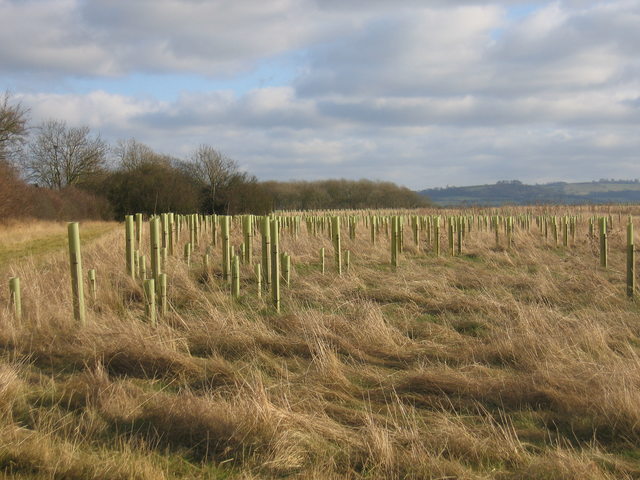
(429, 318)
(466, 326)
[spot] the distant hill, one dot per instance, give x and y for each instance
(514, 192)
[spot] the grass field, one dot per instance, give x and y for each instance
(35, 239)
(506, 364)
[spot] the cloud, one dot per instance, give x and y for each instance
(454, 52)
(602, 108)
(43, 36)
(117, 37)
(427, 52)
(98, 110)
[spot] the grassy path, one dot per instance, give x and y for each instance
(44, 240)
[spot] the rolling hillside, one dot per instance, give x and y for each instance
(516, 193)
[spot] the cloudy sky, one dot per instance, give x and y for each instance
(423, 93)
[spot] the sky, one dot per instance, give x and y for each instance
(421, 93)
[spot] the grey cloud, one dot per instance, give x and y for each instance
(43, 37)
(116, 37)
(555, 49)
(426, 52)
(472, 111)
(385, 5)
(601, 27)
(267, 108)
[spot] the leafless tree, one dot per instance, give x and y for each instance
(13, 128)
(132, 154)
(60, 155)
(213, 169)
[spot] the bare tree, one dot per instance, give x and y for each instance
(60, 155)
(132, 154)
(213, 169)
(13, 128)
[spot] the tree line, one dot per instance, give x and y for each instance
(341, 194)
(53, 168)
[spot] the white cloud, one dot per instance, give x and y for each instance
(97, 109)
(116, 37)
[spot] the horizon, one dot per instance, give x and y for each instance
(423, 96)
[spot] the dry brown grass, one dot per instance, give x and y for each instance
(497, 364)
(31, 240)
